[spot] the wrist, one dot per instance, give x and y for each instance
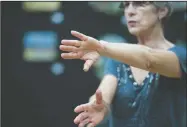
(107, 111)
(107, 108)
(101, 46)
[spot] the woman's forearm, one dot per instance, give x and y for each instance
(131, 54)
(108, 87)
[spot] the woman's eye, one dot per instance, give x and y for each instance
(126, 4)
(140, 3)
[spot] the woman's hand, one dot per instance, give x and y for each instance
(85, 43)
(92, 113)
(85, 49)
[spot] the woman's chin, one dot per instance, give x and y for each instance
(134, 31)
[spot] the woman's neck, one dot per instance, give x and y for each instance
(154, 38)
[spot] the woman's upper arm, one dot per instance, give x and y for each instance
(111, 67)
(110, 74)
(180, 53)
(170, 63)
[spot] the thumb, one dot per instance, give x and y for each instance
(79, 35)
(87, 65)
(82, 108)
(99, 97)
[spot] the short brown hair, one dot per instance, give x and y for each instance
(157, 4)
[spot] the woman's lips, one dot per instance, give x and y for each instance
(131, 23)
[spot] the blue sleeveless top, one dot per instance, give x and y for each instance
(159, 102)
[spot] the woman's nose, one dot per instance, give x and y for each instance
(130, 10)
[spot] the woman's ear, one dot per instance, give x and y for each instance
(162, 13)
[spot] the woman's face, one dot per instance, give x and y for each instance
(140, 16)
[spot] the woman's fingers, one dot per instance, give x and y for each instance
(99, 98)
(90, 125)
(71, 43)
(68, 48)
(81, 117)
(82, 108)
(70, 55)
(87, 65)
(84, 122)
(79, 35)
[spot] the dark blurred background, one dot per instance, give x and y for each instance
(39, 89)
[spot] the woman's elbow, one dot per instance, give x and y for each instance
(149, 60)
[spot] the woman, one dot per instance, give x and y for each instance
(144, 84)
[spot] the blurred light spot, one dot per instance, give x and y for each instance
(40, 46)
(123, 20)
(57, 18)
(41, 6)
(99, 67)
(57, 68)
(107, 7)
(112, 37)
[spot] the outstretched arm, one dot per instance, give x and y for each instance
(163, 62)
(166, 63)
